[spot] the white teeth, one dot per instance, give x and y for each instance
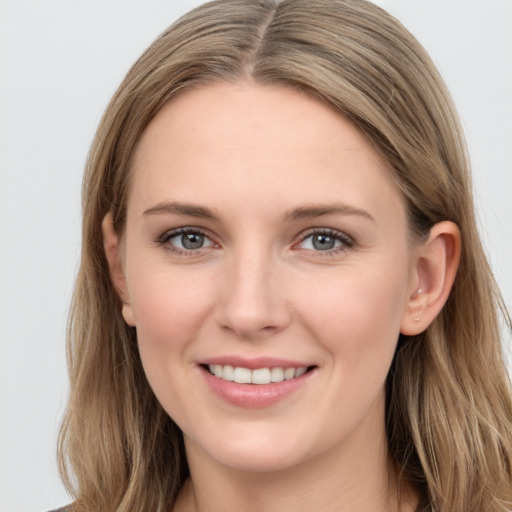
(261, 376)
(300, 371)
(276, 375)
(258, 376)
(228, 373)
(289, 373)
(242, 375)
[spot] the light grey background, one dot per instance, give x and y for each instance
(60, 63)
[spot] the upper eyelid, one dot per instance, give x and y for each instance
(170, 233)
(329, 231)
(164, 241)
(347, 239)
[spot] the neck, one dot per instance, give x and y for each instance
(352, 477)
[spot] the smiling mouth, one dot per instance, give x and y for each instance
(242, 375)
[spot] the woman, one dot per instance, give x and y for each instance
(283, 301)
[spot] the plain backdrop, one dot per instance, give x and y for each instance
(60, 63)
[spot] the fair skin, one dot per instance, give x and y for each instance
(296, 255)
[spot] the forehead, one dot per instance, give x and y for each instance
(253, 142)
(221, 115)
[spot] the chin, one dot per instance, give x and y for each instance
(257, 461)
(258, 453)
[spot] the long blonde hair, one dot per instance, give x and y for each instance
(449, 410)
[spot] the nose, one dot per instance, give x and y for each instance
(253, 302)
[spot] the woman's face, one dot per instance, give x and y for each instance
(265, 239)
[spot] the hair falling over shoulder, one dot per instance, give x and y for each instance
(449, 401)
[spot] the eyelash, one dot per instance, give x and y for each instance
(346, 241)
(168, 235)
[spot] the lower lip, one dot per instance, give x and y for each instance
(254, 395)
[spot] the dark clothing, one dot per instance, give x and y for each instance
(423, 506)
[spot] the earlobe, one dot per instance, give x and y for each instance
(436, 265)
(111, 245)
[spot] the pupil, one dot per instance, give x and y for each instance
(323, 242)
(192, 240)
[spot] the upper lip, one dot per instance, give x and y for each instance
(254, 363)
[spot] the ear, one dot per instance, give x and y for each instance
(111, 245)
(436, 263)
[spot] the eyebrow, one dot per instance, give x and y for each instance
(182, 209)
(302, 212)
(313, 211)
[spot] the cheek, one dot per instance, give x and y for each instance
(169, 309)
(356, 315)
(168, 303)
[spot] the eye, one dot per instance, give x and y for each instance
(186, 239)
(325, 240)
